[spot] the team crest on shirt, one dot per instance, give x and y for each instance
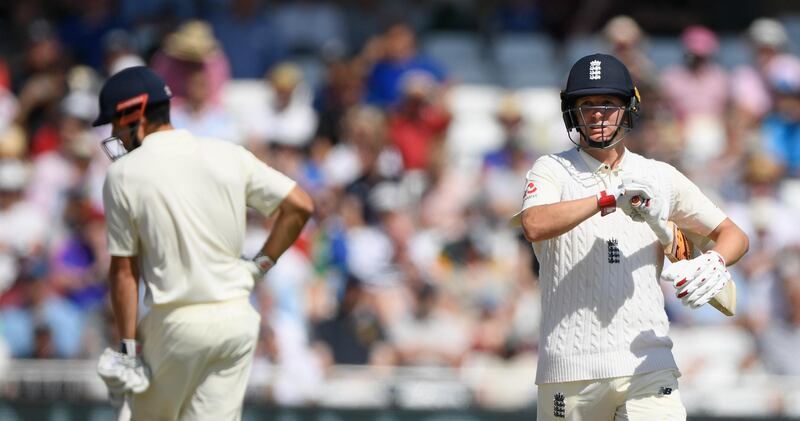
(613, 250)
(594, 70)
(530, 189)
(559, 406)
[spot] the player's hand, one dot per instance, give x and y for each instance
(122, 374)
(643, 202)
(259, 266)
(698, 280)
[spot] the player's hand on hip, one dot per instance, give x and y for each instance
(259, 266)
(122, 374)
(698, 280)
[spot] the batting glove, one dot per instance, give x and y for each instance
(122, 373)
(698, 280)
(643, 203)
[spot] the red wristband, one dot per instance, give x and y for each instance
(606, 202)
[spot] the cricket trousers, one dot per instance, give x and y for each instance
(650, 396)
(200, 357)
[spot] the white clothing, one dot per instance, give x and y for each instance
(603, 308)
(184, 200)
(200, 357)
(644, 397)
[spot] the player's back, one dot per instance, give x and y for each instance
(187, 197)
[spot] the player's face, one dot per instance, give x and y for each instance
(600, 116)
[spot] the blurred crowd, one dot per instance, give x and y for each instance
(409, 259)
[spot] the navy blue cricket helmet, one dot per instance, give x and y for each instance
(599, 74)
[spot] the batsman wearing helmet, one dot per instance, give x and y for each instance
(604, 352)
(175, 208)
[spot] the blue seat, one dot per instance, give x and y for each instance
(526, 60)
(665, 52)
(461, 54)
(734, 51)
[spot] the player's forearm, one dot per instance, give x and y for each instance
(293, 214)
(548, 221)
(731, 242)
(124, 301)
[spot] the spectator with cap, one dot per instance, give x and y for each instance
(697, 94)
(190, 48)
(288, 119)
(750, 90)
(781, 128)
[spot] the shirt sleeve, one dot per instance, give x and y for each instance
(121, 231)
(265, 187)
(541, 185)
(691, 209)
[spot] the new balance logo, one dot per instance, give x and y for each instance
(559, 406)
(594, 70)
(665, 390)
(613, 251)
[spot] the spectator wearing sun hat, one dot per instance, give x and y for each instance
(696, 92)
(192, 47)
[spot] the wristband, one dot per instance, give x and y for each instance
(129, 347)
(263, 262)
(606, 202)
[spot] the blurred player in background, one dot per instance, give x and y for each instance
(604, 349)
(175, 211)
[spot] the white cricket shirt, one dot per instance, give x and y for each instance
(602, 306)
(179, 203)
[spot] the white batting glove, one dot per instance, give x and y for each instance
(698, 280)
(643, 202)
(122, 374)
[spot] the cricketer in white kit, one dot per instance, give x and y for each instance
(604, 351)
(175, 209)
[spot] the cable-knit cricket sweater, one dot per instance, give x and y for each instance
(603, 309)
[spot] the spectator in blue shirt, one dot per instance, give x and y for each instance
(400, 57)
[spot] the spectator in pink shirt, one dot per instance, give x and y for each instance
(697, 94)
(192, 47)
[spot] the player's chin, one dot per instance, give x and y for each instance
(601, 135)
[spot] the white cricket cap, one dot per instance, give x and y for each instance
(768, 32)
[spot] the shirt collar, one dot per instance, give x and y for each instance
(596, 166)
(169, 135)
